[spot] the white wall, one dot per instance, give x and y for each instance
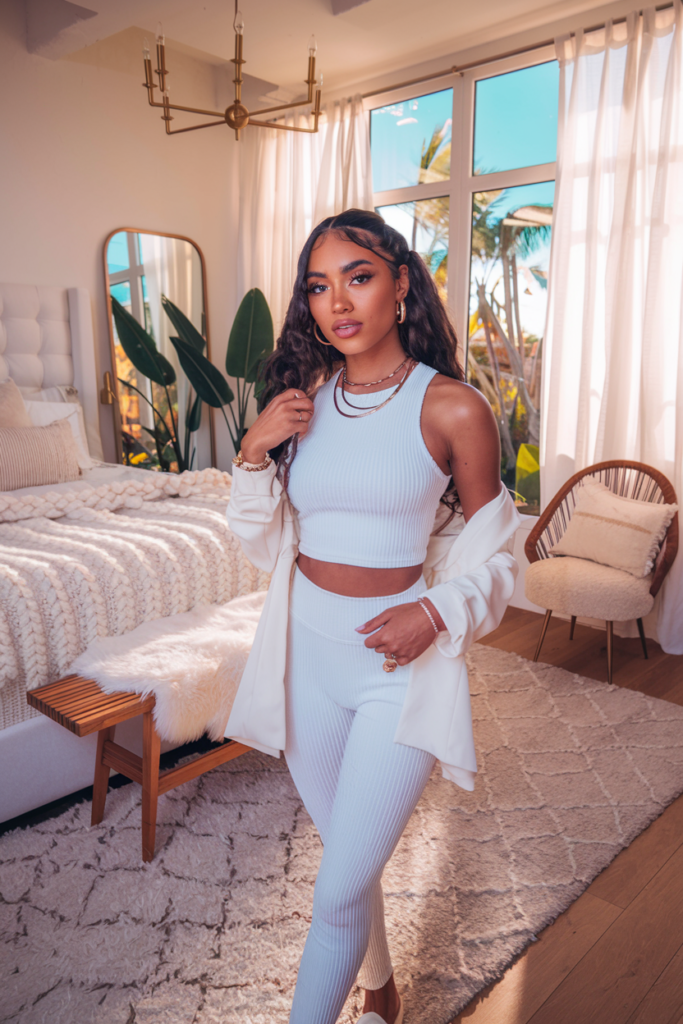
(544, 24)
(82, 153)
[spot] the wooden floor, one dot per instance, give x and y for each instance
(616, 956)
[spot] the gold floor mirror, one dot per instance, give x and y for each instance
(155, 284)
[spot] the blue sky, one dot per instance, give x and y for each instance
(515, 119)
(398, 133)
(515, 125)
(540, 194)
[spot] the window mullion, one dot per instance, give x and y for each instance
(458, 277)
(411, 194)
(510, 179)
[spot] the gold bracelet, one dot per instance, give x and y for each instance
(250, 467)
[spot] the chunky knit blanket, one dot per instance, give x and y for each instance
(98, 562)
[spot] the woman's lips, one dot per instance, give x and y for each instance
(346, 328)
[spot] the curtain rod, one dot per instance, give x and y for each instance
(458, 69)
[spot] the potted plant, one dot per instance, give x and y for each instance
(251, 341)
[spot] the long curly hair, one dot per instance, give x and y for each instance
(300, 361)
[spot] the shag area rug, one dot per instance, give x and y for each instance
(571, 770)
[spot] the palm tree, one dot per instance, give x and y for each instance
(433, 214)
(496, 243)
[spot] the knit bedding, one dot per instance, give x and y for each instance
(80, 564)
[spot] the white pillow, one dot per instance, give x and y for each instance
(12, 408)
(57, 393)
(44, 413)
(621, 532)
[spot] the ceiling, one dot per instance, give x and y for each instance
(371, 38)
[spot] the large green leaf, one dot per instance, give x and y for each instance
(527, 474)
(185, 328)
(140, 348)
(195, 417)
(251, 337)
(209, 383)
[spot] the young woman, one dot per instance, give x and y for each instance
(357, 672)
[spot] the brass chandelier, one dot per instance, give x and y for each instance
(236, 116)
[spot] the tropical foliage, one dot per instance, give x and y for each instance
(251, 341)
(504, 361)
(431, 216)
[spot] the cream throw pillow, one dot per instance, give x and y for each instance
(44, 413)
(32, 456)
(620, 532)
(12, 409)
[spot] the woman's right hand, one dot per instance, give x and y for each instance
(289, 413)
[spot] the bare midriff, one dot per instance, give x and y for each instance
(358, 580)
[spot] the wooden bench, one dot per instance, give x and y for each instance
(82, 707)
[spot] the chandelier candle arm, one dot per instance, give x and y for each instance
(310, 81)
(149, 85)
(236, 116)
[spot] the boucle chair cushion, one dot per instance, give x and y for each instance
(12, 409)
(576, 586)
(615, 531)
(31, 456)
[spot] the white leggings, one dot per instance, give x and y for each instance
(359, 787)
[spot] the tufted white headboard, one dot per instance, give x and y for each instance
(46, 339)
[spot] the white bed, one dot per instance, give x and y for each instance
(46, 341)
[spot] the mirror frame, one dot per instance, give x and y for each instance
(112, 343)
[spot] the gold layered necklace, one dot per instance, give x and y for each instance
(350, 384)
(374, 408)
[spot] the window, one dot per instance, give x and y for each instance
(467, 173)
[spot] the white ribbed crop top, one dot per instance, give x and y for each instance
(366, 490)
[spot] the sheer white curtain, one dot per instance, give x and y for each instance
(290, 181)
(613, 380)
(172, 268)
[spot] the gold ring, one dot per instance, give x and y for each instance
(390, 663)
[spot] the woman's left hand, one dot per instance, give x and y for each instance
(403, 631)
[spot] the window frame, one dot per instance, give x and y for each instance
(463, 183)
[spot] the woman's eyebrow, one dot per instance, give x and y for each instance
(345, 269)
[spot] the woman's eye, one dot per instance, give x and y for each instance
(361, 278)
(316, 289)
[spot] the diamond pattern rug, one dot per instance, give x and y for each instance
(571, 770)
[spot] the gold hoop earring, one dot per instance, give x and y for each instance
(400, 312)
(323, 341)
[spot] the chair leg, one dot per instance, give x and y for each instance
(643, 641)
(100, 784)
(151, 750)
(571, 627)
(610, 645)
(544, 630)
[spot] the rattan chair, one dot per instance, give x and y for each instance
(630, 480)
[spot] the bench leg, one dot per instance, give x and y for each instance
(101, 781)
(151, 750)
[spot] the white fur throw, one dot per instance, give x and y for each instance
(192, 663)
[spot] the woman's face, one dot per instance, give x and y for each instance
(352, 294)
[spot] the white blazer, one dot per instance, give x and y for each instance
(471, 577)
